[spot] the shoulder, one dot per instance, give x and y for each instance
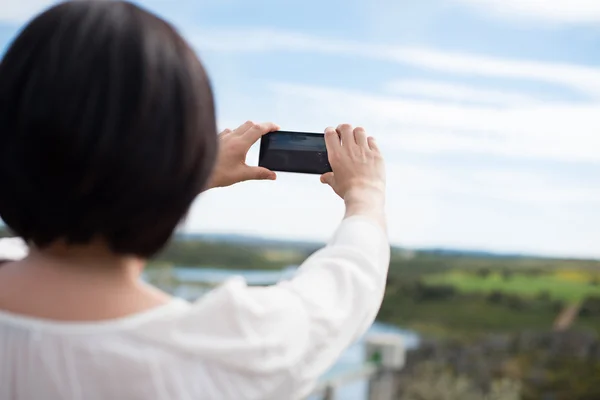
(260, 322)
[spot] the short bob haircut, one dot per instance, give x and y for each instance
(107, 128)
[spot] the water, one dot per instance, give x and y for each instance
(199, 280)
(216, 276)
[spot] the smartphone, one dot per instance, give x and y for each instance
(300, 152)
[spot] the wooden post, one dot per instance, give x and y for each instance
(387, 351)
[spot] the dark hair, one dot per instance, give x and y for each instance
(107, 128)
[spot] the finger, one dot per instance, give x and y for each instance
(259, 130)
(225, 132)
(327, 178)
(360, 137)
(332, 141)
(373, 144)
(259, 174)
(345, 132)
(243, 128)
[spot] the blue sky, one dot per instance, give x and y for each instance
(488, 112)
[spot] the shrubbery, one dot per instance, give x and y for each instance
(527, 366)
(435, 381)
(590, 308)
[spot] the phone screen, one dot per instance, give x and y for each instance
(301, 152)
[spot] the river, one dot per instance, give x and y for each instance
(196, 282)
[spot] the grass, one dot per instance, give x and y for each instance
(467, 317)
(282, 256)
(572, 287)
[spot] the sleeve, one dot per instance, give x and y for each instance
(287, 335)
(12, 249)
(340, 289)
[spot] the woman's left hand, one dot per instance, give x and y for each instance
(234, 145)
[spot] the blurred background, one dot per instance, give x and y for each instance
(488, 114)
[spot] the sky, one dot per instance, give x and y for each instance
(487, 113)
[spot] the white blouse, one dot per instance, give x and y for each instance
(235, 343)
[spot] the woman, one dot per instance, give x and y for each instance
(107, 134)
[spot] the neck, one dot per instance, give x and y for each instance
(76, 283)
(94, 260)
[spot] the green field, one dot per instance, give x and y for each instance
(464, 316)
(571, 288)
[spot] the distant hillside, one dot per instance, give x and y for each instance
(248, 240)
(252, 241)
(473, 253)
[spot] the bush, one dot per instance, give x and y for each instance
(507, 274)
(496, 297)
(527, 366)
(484, 273)
(517, 303)
(513, 302)
(590, 307)
(544, 295)
(557, 306)
(433, 381)
(426, 292)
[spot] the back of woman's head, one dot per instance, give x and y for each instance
(107, 128)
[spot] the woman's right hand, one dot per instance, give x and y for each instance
(358, 168)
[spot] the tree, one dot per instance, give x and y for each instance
(507, 274)
(484, 273)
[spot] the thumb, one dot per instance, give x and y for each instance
(259, 173)
(327, 178)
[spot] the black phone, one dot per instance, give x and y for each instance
(301, 152)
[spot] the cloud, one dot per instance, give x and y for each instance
(552, 11)
(436, 116)
(583, 79)
(507, 209)
(458, 93)
(534, 189)
(507, 206)
(553, 131)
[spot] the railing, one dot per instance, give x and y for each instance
(385, 355)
